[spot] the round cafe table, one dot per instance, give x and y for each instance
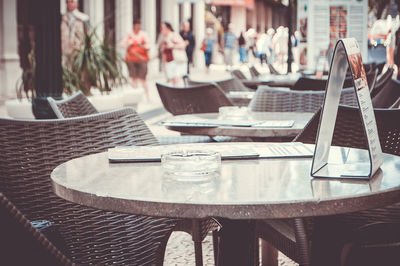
(300, 120)
(244, 191)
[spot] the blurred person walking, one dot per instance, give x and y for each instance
(173, 54)
(187, 35)
(243, 53)
(229, 42)
(74, 24)
(137, 48)
(207, 47)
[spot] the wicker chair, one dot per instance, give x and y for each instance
(388, 95)
(32, 149)
(312, 84)
(272, 70)
(21, 243)
(61, 108)
(204, 98)
(76, 105)
(254, 72)
(382, 81)
(270, 99)
(348, 133)
(238, 74)
(226, 85)
(79, 105)
(249, 83)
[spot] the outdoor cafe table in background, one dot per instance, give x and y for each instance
(287, 80)
(243, 191)
(257, 131)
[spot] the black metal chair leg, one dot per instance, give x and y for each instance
(196, 236)
(215, 236)
(302, 242)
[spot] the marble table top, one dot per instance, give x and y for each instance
(300, 121)
(244, 189)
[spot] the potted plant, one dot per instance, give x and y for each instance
(95, 69)
(21, 107)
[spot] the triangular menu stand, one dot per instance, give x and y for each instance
(347, 53)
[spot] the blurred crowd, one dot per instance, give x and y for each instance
(269, 47)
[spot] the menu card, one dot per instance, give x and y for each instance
(347, 53)
(202, 122)
(239, 150)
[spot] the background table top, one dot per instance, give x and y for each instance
(245, 189)
(301, 119)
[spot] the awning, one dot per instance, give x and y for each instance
(241, 3)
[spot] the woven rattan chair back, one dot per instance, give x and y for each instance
(269, 99)
(273, 70)
(238, 74)
(227, 85)
(76, 105)
(312, 84)
(388, 95)
(32, 149)
(382, 81)
(22, 244)
(309, 84)
(254, 72)
(203, 98)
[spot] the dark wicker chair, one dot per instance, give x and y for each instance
(249, 83)
(226, 85)
(79, 105)
(309, 84)
(270, 99)
(32, 149)
(348, 133)
(205, 225)
(312, 84)
(272, 70)
(204, 98)
(382, 81)
(238, 74)
(388, 95)
(254, 72)
(76, 105)
(21, 243)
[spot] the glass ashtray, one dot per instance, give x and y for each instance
(233, 112)
(191, 165)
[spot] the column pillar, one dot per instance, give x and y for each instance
(170, 13)
(259, 5)
(123, 22)
(95, 10)
(199, 25)
(48, 72)
(63, 6)
(186, 11)
(148, 20)
(10, 70)
(238, 17)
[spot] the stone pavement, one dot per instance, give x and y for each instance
(180, 251)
